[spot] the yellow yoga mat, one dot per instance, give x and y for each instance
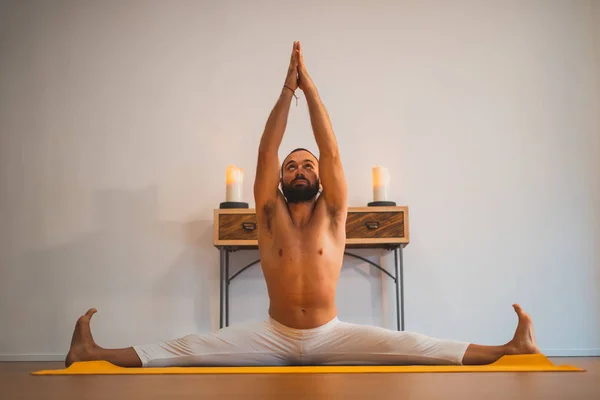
(522, 363)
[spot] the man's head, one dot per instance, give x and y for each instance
(300, 176)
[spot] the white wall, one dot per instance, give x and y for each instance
(118, 119)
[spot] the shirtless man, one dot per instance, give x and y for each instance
(301, 240)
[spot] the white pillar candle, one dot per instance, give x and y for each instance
(381, 183)
(234, 181)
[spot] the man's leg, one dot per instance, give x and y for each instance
(359, 344)
(257, 344)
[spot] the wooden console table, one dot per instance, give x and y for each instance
(366, 227)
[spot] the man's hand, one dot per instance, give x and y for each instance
(291, 80)
(304, 80)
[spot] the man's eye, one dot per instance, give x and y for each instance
(308, 166)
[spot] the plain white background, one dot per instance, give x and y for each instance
(119, 118)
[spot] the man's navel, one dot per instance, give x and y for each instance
(321, 251)
(280, 252)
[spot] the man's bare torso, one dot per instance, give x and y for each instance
(301, 264)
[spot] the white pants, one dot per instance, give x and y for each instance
(271, 343)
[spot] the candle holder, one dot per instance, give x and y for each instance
(233, 204)
(382, 204)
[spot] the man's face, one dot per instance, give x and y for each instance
(300, 177)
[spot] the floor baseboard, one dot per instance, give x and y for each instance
(61, 357)
(571, 352)
(32, 357)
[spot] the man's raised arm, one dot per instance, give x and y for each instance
(267, 168)
(330, 165)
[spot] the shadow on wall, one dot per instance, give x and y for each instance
(133, 268)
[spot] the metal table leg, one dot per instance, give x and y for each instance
(399, 264)
(402, 283)
(226, 288)
(397, 282)
(221, 281)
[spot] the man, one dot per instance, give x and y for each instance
(301, 239)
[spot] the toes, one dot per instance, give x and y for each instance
(519, 311)
(524, 317)
(87, 316)
(91, 312)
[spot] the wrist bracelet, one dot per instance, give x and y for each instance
(293, 93)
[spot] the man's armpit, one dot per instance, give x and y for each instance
(266, 214)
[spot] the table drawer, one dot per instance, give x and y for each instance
(375, 225)
(238, 227)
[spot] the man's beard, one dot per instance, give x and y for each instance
(300, 194)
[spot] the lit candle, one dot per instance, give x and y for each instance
(381, 183)
(234, 180)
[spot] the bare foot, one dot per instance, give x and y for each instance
(82, 343)
(524, 340)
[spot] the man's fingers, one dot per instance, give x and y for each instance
(294, 52)
(300, 60)
(299, 54)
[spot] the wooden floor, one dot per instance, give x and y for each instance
(16, 383)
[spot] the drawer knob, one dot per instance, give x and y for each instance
(249, 226)
(372, 225)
